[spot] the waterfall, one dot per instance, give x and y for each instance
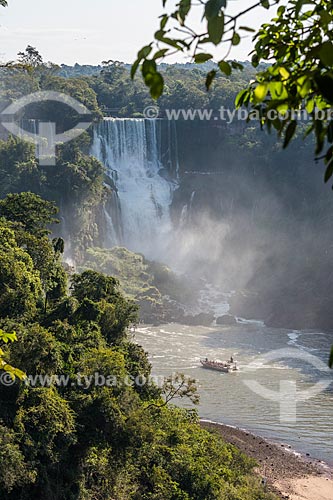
(144, 168)
(186, 213)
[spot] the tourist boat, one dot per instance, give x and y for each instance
(226, 367)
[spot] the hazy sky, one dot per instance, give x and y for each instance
(89, 31)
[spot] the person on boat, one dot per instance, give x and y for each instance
(231, 359)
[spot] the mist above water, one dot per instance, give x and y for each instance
(239, 224)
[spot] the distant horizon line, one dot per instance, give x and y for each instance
(101, 65)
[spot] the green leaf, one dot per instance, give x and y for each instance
(325, 17)
(213, 8)
(225, 67)
(277, 124)
(326, 53)
(265, 3)
(6, 337)
(328, 174)
(281, 10)
(255, 61)
(284, 73)
(134, 68)
(205, 40)
(160, 53)
(237, 65)
(289, 133)
(164, 20)
(240, 98)
(310, 106)
(184, 9)
(202, 58)
(320, 135)
(329, 155)
(308, 131)
(260, 92)
(156, 86)
(278, 90)
(153, 79)
(148, 67)
(216, 29)
(303, 86)
(144, 52)
(210, 77)
(235, 39)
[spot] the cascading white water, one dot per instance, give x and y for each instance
(132, 153)
(186, 213)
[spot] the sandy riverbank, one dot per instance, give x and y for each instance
(288, 474)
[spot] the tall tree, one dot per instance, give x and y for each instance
(30, 57)
(29, 211)
(20, 285)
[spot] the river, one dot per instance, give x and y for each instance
(226, 398)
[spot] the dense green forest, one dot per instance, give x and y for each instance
(114, 437)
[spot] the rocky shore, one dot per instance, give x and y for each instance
(289, 475)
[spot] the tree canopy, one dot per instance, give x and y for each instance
(30, 212)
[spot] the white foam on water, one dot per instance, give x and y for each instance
(250, 321)
(293, 336)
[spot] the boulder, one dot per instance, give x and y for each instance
(201, 319)
(226, 320)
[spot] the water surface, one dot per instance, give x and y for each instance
(225, 398)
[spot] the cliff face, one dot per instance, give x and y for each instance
(84, 223)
